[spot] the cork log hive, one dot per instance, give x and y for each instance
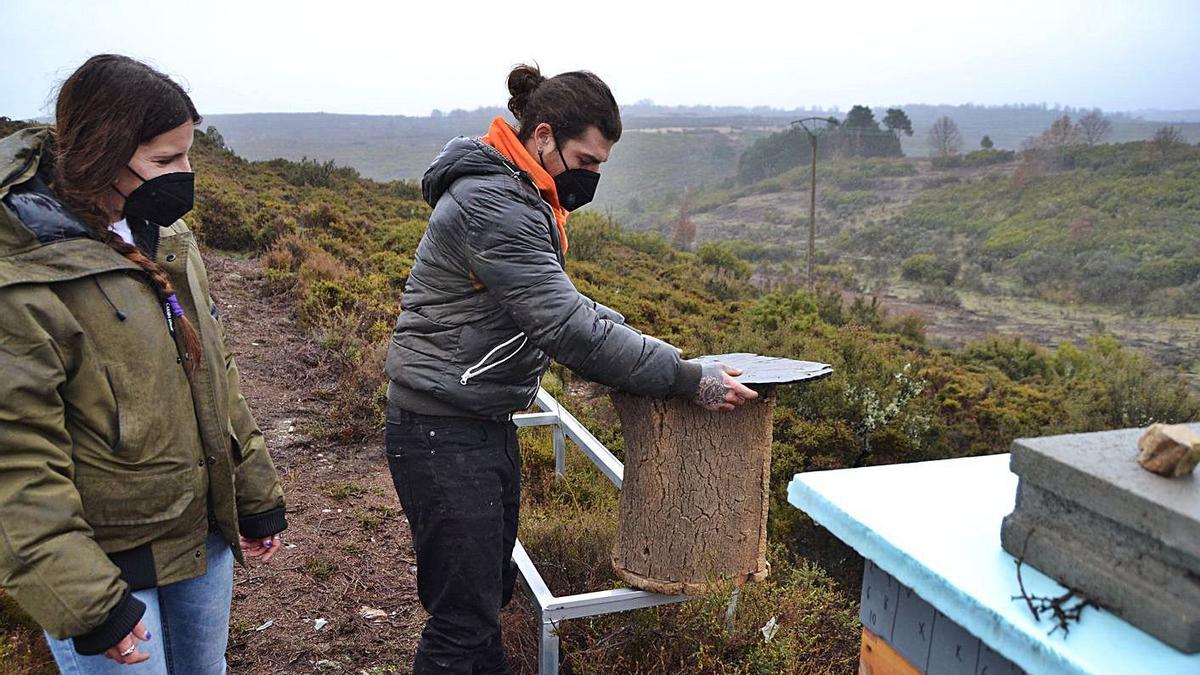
(695, 491)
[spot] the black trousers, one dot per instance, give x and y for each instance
(459, 481)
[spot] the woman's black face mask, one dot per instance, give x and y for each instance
(162, 200)
(576, 187)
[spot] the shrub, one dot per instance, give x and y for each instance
(221, 220)
(313, 173)
(721, 257)
(650, 243)
(592, 236)
(929, 268)
(1016, 358)
(1108, 387)
(942, 296)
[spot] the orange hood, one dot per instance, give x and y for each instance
(502, 137)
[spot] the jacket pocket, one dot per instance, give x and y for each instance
(134, 428)
(116, 420)
(132, 498)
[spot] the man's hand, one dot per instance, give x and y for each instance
(260, 548)
(125, 652)
(719, 391)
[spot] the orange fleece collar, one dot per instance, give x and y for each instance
(502, 137)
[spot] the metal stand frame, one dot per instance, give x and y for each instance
(554, 609)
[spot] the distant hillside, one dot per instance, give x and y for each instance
(385, 147)
(1119, 225)
(655, 156)
(1008, 126)
(1169, 116)
(665, 150)
(1100, 239)
(1115, 224)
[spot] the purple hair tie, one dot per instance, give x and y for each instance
(173, 303)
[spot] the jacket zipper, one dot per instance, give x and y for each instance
(553, 225)
(476, 370)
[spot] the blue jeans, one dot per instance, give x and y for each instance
(188, 623)
(459, 481)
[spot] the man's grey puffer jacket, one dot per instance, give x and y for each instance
(479, 349)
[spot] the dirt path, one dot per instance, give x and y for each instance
(347, 546)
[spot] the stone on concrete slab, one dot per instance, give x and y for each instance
(1170, 450)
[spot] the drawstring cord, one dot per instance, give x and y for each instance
(472, 371)
(121, 316)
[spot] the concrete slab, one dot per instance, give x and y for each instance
(1100, 471)
(1088, 515)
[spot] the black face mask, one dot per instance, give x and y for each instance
(576, 187)
(162, 200)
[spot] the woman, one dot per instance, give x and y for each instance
(486, 306)
(132, 473)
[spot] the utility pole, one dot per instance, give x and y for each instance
(812, 201)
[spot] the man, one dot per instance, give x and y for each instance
(486, 306)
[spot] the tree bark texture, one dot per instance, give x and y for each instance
(695, 493)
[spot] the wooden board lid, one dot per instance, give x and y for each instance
(758, 369)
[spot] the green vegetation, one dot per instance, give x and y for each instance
(342, 490)
(977, 158)
(320, 568)
(369, 521)
(1119, 226)
(929, 268)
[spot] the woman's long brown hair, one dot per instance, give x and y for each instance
(105, 110)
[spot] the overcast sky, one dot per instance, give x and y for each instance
(411, 57)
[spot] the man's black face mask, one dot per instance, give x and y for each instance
(576, 187)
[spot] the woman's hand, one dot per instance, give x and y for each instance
(260, 548)
(125, 652)
(719, 391)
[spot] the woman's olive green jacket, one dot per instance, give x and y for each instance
(114, 463)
